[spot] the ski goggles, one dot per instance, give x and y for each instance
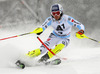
(56, 13)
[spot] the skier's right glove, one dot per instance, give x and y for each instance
(38, 31)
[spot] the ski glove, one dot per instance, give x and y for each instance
(38, 31)
(80, 34)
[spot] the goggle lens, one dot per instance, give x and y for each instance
(56, 13)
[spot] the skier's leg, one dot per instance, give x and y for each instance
(34, 53)
(50, 43)
(27, 60)
(56, 50)
(49, 55)
(60, 45)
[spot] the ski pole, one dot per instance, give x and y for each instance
(50, 49)
(93, 39)
(45, 45)
(90, 38)
(16, 36)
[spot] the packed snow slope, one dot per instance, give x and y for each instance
(81, 57)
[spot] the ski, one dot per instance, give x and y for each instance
(52, 62)
(20, 65)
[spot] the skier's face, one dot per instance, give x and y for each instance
(56, 15)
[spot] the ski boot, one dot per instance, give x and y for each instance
(53, 62)
(19, 64)
(44, 58)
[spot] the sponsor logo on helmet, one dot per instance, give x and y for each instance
(55, 8)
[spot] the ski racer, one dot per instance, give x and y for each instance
(60, 37)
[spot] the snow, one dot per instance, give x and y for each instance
(82, 59)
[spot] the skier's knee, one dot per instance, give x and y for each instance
(56, 50)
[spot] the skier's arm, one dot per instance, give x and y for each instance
(77, 24)
(40, 29)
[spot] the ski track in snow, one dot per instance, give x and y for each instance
(80, 60)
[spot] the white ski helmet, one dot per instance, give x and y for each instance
(56, 7)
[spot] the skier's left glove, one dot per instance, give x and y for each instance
(80, 34)
(38, 31)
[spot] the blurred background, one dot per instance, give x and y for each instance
(23, 15)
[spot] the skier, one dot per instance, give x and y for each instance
(60, 37)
